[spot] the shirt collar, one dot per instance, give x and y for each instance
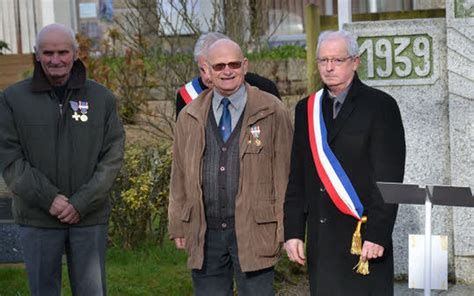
(342, 96)
(237, 99)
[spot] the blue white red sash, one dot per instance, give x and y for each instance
(330, 171)
(190, 90)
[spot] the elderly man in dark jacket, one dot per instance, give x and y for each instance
(61, 147)
(347, 136)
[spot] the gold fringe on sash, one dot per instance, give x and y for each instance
(362, 267)
(356, 248)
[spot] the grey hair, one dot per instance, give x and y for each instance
(56, 27)
(205, 41)
(349, 38)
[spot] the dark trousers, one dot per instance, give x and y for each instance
(221, 264)
(85, 249)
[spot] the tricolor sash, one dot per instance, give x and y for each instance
(190, 90)
(330, 171)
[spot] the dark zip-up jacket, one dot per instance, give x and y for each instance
(45, 151)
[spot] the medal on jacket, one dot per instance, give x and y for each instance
(255, 131)
(84, 107)
(74, 107)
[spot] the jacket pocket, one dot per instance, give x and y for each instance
(186, 213)
(253, 148)
(187, 231)
(264, 232)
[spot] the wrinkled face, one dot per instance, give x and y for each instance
(203, 72)
(335, 65)
(56, 55)
(226, 66)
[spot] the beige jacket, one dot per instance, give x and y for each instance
(264, 170)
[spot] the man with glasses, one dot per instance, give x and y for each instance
(347, 137)
(228, 181)
(193, 88)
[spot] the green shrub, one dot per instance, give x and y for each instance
(3, 46)
(279, 53)
(139, 197)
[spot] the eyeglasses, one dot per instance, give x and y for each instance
(221, 66)
(335, 61)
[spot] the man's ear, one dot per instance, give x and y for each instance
(36, 54)
(245, 65)
(76, 54)
(356, 63)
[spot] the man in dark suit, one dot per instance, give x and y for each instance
(347, 137)
(195, 87)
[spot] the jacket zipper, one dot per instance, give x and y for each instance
(60, 126)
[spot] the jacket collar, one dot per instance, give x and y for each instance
(349, 105)
(255, 108)
(40, 82)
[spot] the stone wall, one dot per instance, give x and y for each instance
(460, 57)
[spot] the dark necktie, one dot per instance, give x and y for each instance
(225, 123)
(336, 108)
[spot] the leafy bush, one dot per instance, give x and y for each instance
(130, 77)
(3, 46)
(139, 196)
(279, 53)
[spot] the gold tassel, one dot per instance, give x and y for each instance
(362, 267)
(356, 247)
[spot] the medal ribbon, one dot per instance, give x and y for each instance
(74, 105)
(83, 106)
(190, 90)
(330, 171)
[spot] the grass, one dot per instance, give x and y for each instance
(147, 270)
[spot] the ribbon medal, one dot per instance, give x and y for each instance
(255, 131)
(83, 107)
(74, 107)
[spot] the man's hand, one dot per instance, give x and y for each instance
(60, 202)
(180, 243)
(295, 250)
(69, 215)
(371, 250)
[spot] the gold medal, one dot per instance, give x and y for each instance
(84, 118)
(258, 142)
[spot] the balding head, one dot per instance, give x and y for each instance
(66, 33)
(56, 51)
(225, 45)
(227, 66)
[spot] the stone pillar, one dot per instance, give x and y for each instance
(407, 59)
(460, 44)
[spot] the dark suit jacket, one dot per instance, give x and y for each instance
(367, 137)
(251, 78)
